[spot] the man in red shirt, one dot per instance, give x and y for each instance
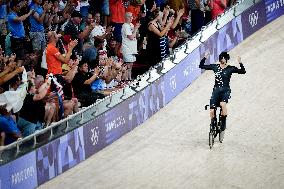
(117, 10)
(54, 59)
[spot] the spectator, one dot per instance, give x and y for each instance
(8, 126)
(129, 43)
(15, 92)
(105, 11)
(87, 22)
(70, 102)
(113, 48)
(89, 50)
(3, 27)
(217, 7)
(135, 9)
(157, 41)
(84, 8)
(37, 34)
(197, 15)
(53, 17)
(90, 55)
(207, 12)
(176, 35)
(82, 85)
(176, 4)
(28, 123)
(109, 76)
(108, 79)
(54, 58)
(117, 17)
(54, 61)
(71, 31)
(17, 29)
(177, 19)
(50, 107)
(10, 71)
(99, 31)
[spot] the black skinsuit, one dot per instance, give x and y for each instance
(221, 91)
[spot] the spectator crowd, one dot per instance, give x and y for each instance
(57, 56)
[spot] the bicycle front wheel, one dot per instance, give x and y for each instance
(211, 139)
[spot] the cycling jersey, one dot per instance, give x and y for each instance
(222, 76)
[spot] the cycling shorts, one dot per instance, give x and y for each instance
(219, 94)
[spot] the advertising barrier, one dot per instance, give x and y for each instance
(121, 119)
(60, 155)
(63, 153)
(274, 9)
(20, 173)
(178, 78)
(253, 19)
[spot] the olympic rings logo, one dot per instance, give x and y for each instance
(253, 18)
(95, 136)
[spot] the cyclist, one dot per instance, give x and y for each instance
(221, 91)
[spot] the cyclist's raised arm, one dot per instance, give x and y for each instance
(242, 70)
(203, 66)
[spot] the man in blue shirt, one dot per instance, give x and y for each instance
(37, 34)
(3, 27)
(17, 30)
(8, 126)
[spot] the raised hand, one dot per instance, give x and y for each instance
(109, 29)
(166, 11)
(239, 59)
(20, 69)
(97, 71)
(12, 65)
(180, 12)
(170, 21)
(72, 44)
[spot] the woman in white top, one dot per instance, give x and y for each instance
(129, 43)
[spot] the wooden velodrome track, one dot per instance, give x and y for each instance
(170, 150)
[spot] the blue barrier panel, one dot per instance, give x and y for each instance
(20, 173)
(146, 103)
(178, 78)
(94, 136)
(60, 155)
(274, 9)
(253, 19)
